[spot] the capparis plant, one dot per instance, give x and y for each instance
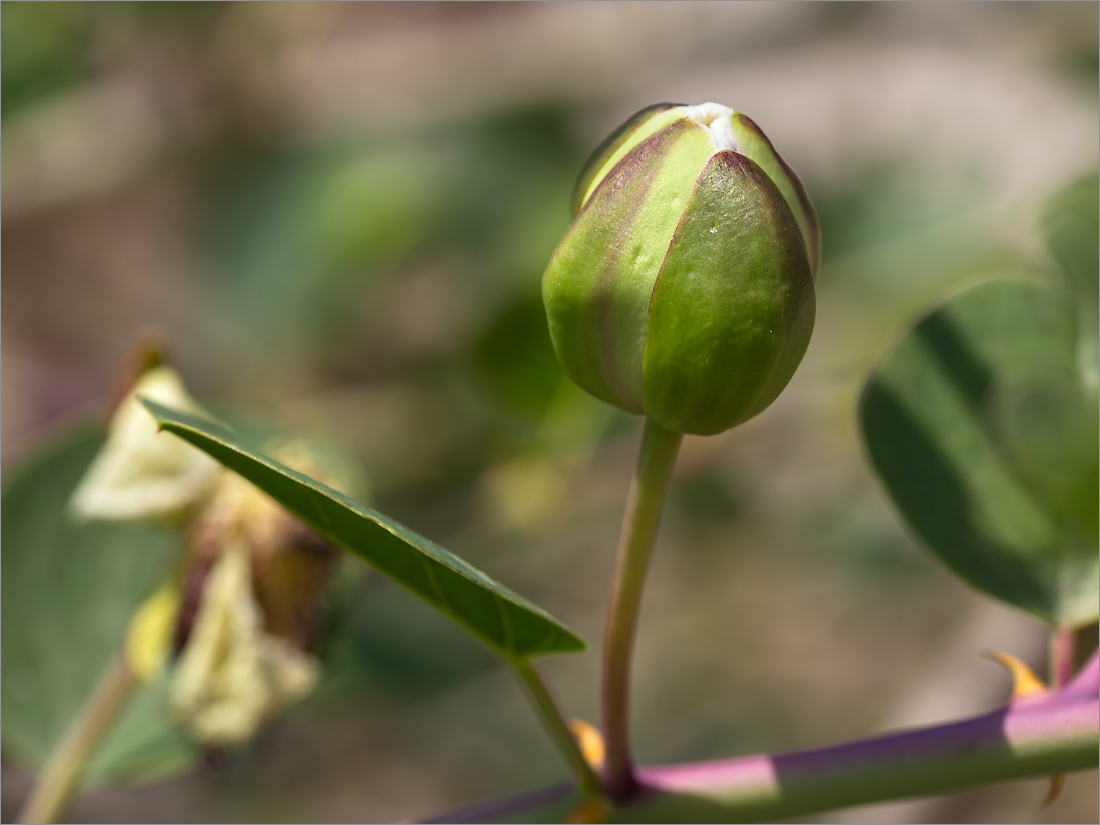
(683, 291)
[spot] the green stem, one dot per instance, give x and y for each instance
(639, 531)
(61, 774)
(556, 725)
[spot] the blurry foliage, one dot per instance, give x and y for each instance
(301, 243)
(44, 47)
(514, 356)
(416, 657)
(68, 593)
(986, 440)
(1070, 220)
(981, 422)
(50, 48)
(381, 288)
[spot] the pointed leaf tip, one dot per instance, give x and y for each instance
(510, 624)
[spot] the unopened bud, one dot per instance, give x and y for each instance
(683, 289)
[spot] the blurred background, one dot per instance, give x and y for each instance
(337, 216)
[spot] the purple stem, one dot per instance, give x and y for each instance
(1038, 735)
(502, 810)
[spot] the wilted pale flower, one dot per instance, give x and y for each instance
(235, 625)
(683, 289)
(248, 610)
(231, 674)
(139, 474)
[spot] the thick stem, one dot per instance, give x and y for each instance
(1054, 733)
(1028, 738)
(61, 774)
(556, 725)
(640, 523)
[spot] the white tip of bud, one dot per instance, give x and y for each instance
(718, 119)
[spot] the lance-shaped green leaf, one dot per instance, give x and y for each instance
(979, 426)
(507, 622)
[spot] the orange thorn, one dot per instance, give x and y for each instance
(588, 812)
(1057, 782)
(1024, 680)
(1026, 683)
(591, 742)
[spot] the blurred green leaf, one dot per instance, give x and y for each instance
(987, 443)
(353, 256)
(42, 51)
(1047, 431)
(68, 592)
(1071, 222)
(507, 622)
(371, 208)
(144, 744)
(515, 358)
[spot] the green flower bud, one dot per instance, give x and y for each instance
(683, 289)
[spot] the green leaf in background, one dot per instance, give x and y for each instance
(510, 624)
(68, 592)
(986, 441)
(515, 359)
(1070, 221)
